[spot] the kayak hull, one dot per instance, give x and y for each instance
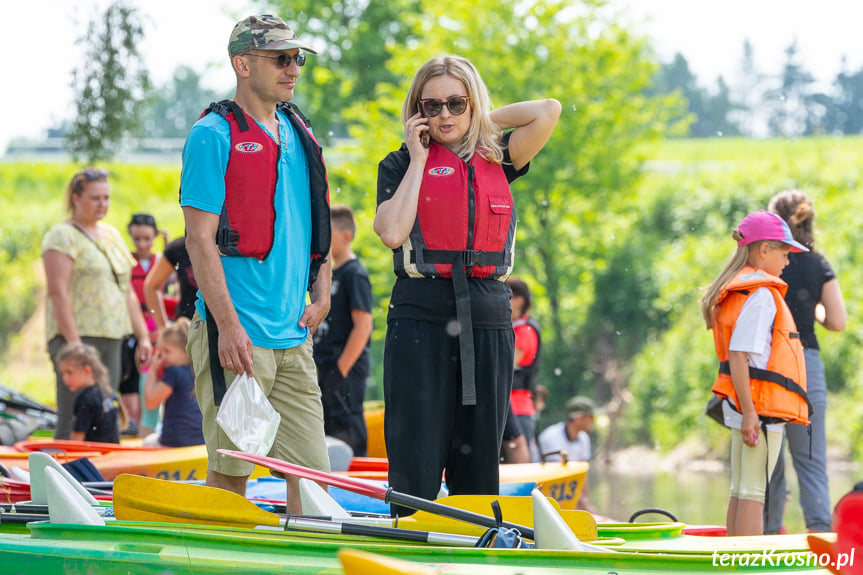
(124, 547)
(562, 482)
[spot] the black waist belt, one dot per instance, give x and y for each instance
(772, 377)
(216, 372)
(460, 260)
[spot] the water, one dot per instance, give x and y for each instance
(695, 497)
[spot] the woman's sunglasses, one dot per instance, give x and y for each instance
(456, 106)
(284, 60)
(87, 175)
(143, 219)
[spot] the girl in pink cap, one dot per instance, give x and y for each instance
(762, 374)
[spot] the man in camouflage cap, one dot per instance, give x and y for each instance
(265, 32)
(254, 181)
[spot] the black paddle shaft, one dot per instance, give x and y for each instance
(421, 504)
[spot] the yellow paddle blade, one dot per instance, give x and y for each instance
(514, 509)
(356, 562)
(138, 498)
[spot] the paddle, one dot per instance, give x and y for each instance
(518, 509)
(824, 548)
(21, 518)
(138, 498)
(387, 495)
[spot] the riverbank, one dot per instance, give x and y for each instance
(692, 483)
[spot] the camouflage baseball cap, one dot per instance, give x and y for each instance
(265, 32)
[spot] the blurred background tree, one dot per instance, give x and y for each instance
(110, 85)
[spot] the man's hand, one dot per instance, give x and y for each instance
(235, 350)
(314, 314)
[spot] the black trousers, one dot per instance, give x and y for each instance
(426, 428)
(342, 399)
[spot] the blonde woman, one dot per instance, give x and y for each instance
(90, 299)
(446, 210)
(814, 297)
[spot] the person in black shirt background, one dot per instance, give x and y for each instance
(341, 342)
(813, 296)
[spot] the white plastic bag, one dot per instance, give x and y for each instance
(247, 416)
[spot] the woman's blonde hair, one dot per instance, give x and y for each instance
(88, 356)
(176, 334)
(79, 181)
(483, 135)
(798, 211)
(734, 264)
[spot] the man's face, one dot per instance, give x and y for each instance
(271, 79)
(582, 423)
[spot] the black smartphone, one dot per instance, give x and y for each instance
(425, 139)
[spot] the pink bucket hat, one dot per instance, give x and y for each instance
(764, 225)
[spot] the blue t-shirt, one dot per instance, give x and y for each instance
(181, 424)
(269, 295)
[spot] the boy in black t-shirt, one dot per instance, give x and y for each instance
(341, 342)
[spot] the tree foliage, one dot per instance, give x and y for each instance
(110, 85)
(355, 39)
(176, 106)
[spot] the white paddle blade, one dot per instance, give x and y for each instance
(318, 502)
(550, 529)
(39, 463)
(65, 504)
(20, 474)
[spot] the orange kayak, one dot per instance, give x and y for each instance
(112, 459)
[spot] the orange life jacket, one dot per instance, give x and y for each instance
(778, 392)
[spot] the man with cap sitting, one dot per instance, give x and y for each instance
(571, 438)
(255, 199)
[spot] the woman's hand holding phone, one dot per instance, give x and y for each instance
(416, 136)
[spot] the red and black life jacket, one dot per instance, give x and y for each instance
(525, 376)
(464, 227)
(139, 274)
(247, 221)
(465, 213)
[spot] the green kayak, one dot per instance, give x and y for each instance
(140, 547)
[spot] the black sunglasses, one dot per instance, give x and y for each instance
(456, 106)
(284, 60)
(89, 175)
(143, 219)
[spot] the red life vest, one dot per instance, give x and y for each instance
(779, 391)
(247, 221)
(139, 274)
(465, 212)
(525, 375)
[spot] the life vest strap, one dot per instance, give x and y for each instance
(217, 373)
(772, 377)
(462, 258)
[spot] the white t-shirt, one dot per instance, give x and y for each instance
(753, 334)
(553, 440)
